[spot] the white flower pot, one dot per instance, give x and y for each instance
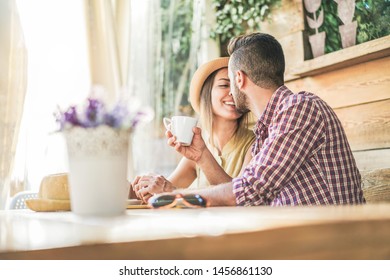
(98, 163)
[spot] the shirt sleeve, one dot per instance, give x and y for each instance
(296, 130)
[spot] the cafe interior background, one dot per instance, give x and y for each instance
(52, 52)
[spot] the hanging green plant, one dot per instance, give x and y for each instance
(374, 18)
(235, 17)
(176, 34)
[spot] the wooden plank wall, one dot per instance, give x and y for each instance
(359, 93)
(360, 96)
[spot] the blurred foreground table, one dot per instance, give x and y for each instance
(320, 232)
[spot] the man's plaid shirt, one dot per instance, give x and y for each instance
(301, 156)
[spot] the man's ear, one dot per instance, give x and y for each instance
(240, 79)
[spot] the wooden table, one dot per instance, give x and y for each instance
(325, 232)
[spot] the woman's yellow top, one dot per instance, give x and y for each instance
(231, 158)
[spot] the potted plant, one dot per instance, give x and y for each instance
(98, 143)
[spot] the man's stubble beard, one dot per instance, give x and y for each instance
(240, 100)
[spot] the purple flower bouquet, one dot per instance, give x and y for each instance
(94, 113)
(99, 153)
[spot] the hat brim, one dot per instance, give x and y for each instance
(200, 76)
(48, 205)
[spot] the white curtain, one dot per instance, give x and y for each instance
(58, 75)
(144, 79)
(122, 51)
(13, 69)
(108, 37)
(125, 50)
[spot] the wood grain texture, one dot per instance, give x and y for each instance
(372, 159)
(346, 57)
(376, 185)
(300, 232)
(367, 126)
(292, 45)
(285, 19)
(362, 83)
(365, 240)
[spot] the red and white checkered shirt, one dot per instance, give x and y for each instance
(301, 156)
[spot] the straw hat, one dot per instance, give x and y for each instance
(200, 77)
(53, 194)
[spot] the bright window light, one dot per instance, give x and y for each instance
(58, 74)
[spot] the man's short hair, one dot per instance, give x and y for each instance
(260, 57)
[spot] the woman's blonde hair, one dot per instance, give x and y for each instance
(206, 112)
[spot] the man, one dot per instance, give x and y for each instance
(301, 155)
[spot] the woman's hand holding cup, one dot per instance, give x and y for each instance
(192, 152)
(182, 128)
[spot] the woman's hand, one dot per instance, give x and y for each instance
(193, 152)
(147, 185)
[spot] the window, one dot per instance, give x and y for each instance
(58, 74)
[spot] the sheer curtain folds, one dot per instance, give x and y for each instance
(122, 55)
(58, 76)
(13, 80)
(108, 31)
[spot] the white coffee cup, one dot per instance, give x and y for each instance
(181, 128)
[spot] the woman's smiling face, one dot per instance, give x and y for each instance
(222, 102)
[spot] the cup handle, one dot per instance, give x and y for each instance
(167, 123)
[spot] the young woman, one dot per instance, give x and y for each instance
(226, 149)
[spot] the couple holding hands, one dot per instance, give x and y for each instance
(297, 153)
